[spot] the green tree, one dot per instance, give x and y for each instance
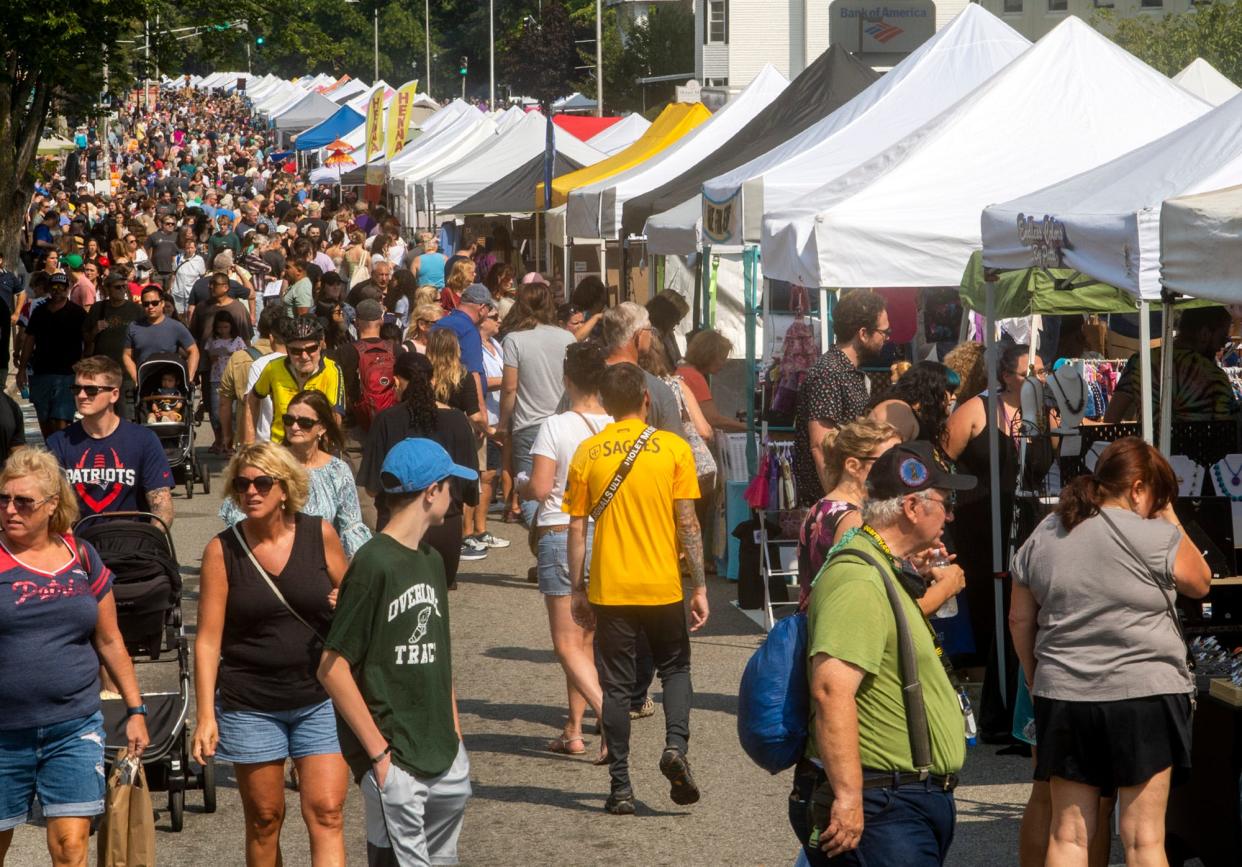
(1212, 31)
(540, 60)
(55, 55)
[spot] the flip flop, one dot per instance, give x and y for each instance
(564, 746)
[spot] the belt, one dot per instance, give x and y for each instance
(887, 779)
(540, 532)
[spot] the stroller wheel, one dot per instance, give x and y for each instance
(189, 484)
(206, 471)
(176, 808)
(209, 785)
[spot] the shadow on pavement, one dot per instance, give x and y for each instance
(521, 654)
(591, 802)
(535, 713)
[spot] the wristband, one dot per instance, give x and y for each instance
(375, 760)
(140, 710)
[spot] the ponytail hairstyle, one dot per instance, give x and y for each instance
(1124, 462)
(858, 439)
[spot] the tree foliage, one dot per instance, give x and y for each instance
(1212, 31)
(540, 60)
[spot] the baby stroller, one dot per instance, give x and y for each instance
(139, 550)
(168, 410)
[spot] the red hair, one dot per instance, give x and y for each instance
(1123, 463)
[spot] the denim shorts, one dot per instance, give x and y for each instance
(250, 737)
(63, 764)
(553, 561)
(52, 396)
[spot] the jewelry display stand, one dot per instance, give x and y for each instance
(1190, 475)
(1068, 387)
(1226, 477)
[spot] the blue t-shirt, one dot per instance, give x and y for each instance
(467, 337)
(50, 618)
(146, 339)
(114, 473)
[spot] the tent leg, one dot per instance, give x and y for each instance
(749, 287)
(827, 304)
(625, 274)
(1145, 367)
(537, 251)
(1166, 375)
(991, 360)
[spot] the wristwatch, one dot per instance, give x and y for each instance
(140, 710)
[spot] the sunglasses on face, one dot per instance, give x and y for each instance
(304, 350)
(91, 390)
(300, 420)
(23, 505)
(152, 303)
(262, 484)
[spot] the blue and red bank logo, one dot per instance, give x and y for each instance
(880, 30)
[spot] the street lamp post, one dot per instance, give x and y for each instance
(376, 43)
(491, 54)
(427, 36)
(599, 58)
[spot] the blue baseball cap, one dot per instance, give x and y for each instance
(415, 464)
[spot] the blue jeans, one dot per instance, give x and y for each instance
(522, 462)
(62, 763)
(553, 561)
(911, 825)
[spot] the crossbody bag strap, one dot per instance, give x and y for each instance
(280, 597)
(1169, 598)
(911, 686)
(622, 471)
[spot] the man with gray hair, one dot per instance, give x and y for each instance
(627, 332)
(859, 759)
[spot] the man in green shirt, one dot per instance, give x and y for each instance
(884, 810)
(387, 665)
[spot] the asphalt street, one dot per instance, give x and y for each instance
(532, 807)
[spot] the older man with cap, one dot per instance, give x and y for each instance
(860, 787)
(397, 720)
(476, 302)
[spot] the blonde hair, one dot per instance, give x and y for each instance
(897, 369)
(278, 463)
(707, 349)
(423, 313)
(858, 439)
(38, 462)
(459, 277)
(426, 295)
(444, 353)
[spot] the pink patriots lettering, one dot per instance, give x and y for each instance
(53, 589)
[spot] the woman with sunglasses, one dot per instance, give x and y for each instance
(56, 604)
(421, 320)
(268, 587)
(314, 438)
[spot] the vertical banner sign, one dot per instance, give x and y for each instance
(399, 117)
(375, 144)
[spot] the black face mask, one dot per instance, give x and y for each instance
(911, 580)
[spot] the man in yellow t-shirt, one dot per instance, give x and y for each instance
(303, 369)
(635, 575)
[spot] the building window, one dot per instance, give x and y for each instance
(717, 24)
(1151, 4)
(1058, 5)
(1013, 7)
(1104, 4)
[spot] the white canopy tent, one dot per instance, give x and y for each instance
(574, 102)
(909, 216)
(508, 152)
(449, 148)
(594, 210)
(1204, 81)
(1201, 241)
(620, 135)
(975, 46)
(348, 91)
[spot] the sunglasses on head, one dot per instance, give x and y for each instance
(262, 484)
(91, 390)
(300, 420)
(24, 505)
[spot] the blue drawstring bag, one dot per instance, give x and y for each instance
(774, 698)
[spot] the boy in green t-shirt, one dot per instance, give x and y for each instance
(387, 664)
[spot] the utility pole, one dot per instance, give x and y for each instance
(427, 37)
(376, 44)
(463, 69)
(146, 67)
(599, 58)
(491, 54)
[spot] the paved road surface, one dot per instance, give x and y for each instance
(531, 807)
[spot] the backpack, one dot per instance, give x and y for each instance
(378, 382)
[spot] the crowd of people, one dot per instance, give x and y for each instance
(372, 397)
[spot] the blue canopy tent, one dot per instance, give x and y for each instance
(330, 129)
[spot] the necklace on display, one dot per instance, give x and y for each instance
(1082, 394)
(1220, 483)
(1235, 475)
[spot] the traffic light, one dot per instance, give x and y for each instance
(464, 65)
(258, 40)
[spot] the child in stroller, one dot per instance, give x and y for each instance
(171, 405)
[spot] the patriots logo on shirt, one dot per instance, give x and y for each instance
(99, 474)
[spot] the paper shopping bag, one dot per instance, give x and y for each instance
(127, 832)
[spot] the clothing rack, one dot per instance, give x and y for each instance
(773, 494)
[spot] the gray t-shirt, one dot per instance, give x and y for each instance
(539, 356)
(1104, 628)
(146, 339)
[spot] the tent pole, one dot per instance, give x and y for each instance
(750, 256)
(536, 250)
(992, 355)
(625, 275)
(1166, 375)
(827, 305)
(1145, 366)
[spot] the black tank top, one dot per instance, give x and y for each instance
(267, 657)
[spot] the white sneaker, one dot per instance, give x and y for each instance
(490, 541)
(472, 549)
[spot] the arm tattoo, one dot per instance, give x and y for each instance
(159, 501)
(691, 540)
